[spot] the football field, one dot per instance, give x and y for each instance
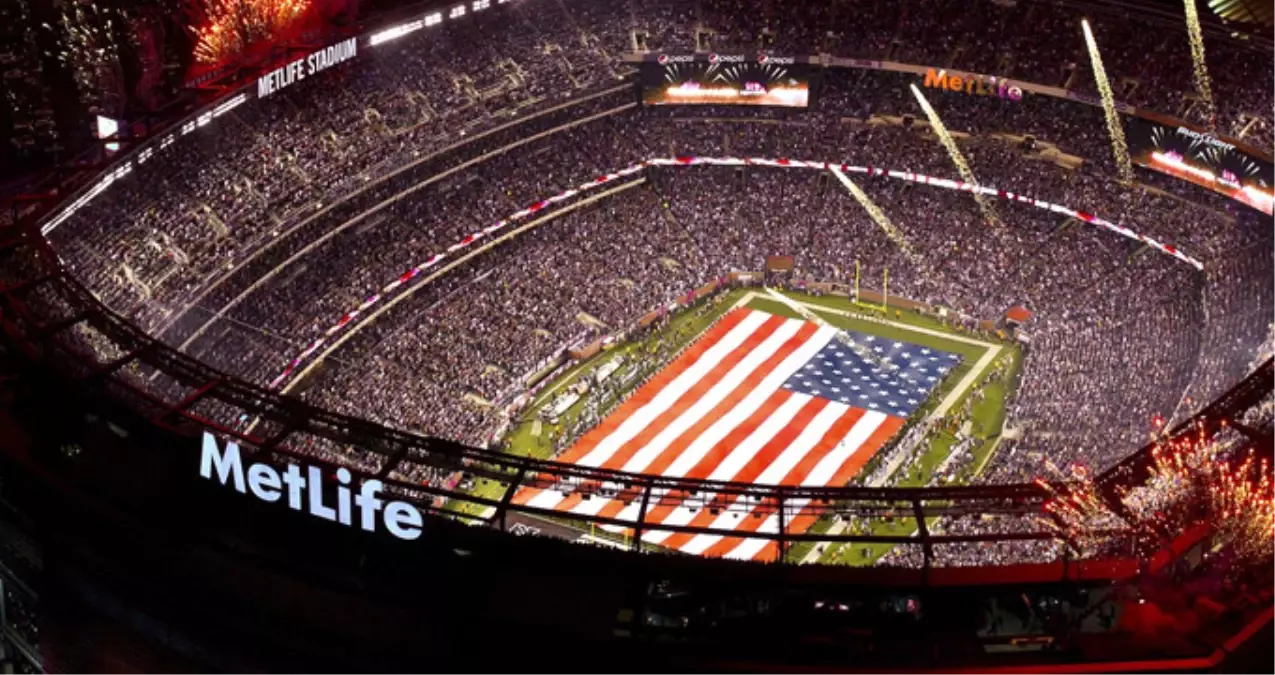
(762, 395)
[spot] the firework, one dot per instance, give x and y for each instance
(1077, 512)
(1202, 85)
(962, 166)
(880, 218)
(233, 25)
(86, 37)
(1119, 149)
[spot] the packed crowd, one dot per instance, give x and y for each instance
(1108, 317)
(246, 245)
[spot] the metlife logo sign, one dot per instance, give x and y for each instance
(303, 489)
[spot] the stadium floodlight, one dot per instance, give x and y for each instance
(107, 127)
(395, 32)
(457, 12)
(433, 19)
(480, 5)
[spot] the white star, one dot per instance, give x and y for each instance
(844, 380)
(854, 387)
(877, 349)
(925, 351)
(872, 405)
(835, 390)
(863, 396)
(912, 401)
(818, 372)
(825, 381)
(931, 378)
(840, 354)
(934, 358)
(865, 378)
(893, 404)
(898, 345)
(872, 338)
(809, 366)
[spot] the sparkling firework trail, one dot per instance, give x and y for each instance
(962, 166)
(880, 218)
(88, 47)
(1202, 85)
(1119, 148)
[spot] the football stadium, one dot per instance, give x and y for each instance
(698, 335)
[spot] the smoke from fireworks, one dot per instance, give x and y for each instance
(962, 166)
(234, 25)
(1119, 148)
(1202, 85)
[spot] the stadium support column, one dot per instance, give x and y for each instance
(924, 532)
(641, 519)
(783, 527)
(502, 511)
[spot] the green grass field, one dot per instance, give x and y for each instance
(686, 326)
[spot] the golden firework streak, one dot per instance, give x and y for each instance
(962, 166)
(1120, 149)
(1202, 85)
(879, 217)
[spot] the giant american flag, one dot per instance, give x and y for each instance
(761, 399)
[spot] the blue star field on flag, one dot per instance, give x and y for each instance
(873, 373)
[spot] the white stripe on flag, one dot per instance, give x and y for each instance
(643, 416)
(745, 450)
(802, 444)
(819, 476)
(732, 419)
(696, 412)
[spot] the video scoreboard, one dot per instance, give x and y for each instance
(1204, 160)
(727, 79)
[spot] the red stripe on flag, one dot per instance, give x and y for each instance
(798, 473)
(804, 519)
(690, 397)
(643, 395)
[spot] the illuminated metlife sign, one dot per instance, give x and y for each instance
(295, 71)
(303, 490)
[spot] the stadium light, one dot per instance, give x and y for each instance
(457, 12)
(395, 32)
(480, 5)
(433, 19)
(107, 127)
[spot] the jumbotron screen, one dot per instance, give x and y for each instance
(726, 79)
(1203, 160)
